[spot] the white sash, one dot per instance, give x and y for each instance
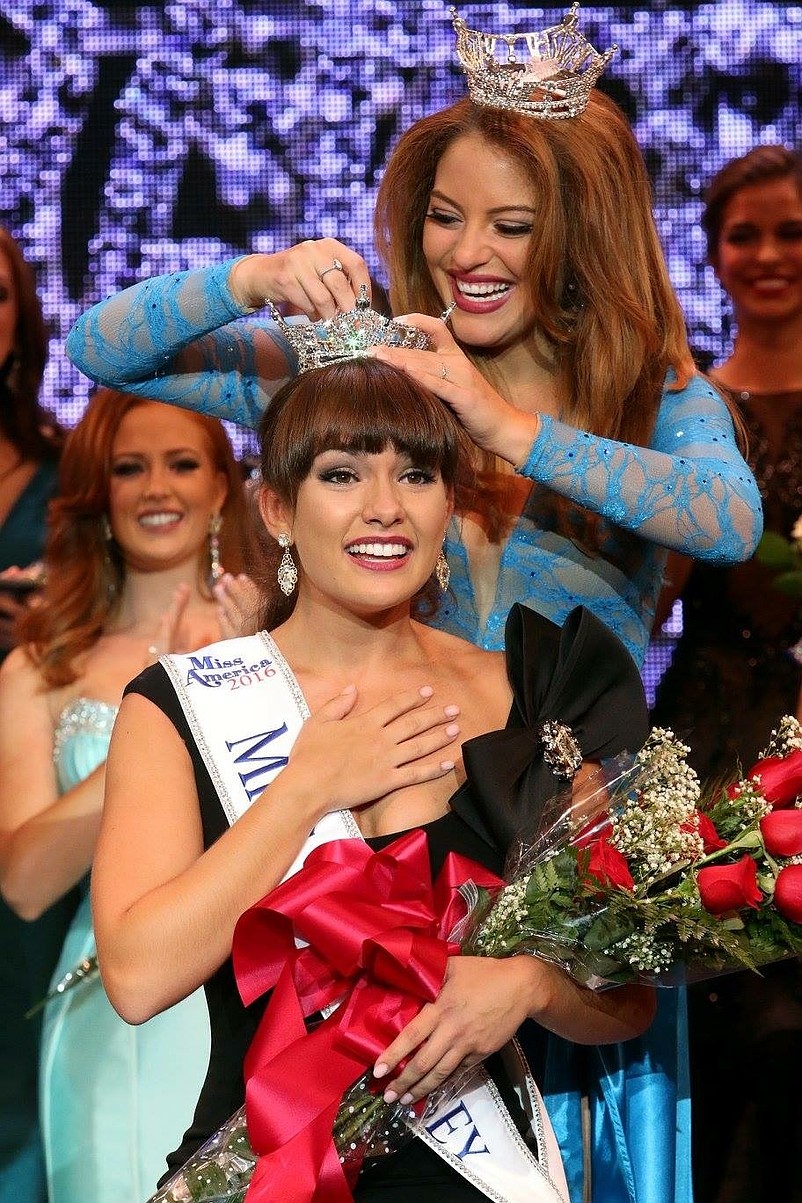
(245, 709)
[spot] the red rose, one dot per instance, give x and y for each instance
(782, 832)
(729, 887)
(608, 867)
(788, 892)
(703, 824)
(780, 778)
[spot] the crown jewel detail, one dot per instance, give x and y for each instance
(547, 73)
(349, 335)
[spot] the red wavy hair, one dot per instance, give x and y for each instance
(84, 571)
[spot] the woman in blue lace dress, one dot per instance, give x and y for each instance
(598, 445)
(128, 560)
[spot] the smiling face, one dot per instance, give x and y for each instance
(476, 239)
(759, 253)
(9, 310)
(163, 488)
(367, 529)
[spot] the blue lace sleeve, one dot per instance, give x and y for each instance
(690, 490)
(183, 338)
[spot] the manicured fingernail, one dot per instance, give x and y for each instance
(380, 1070)
(451, 711)
(446, 765)
(452, 729)
(389, 1096)
(406, 1099)
(426, 691)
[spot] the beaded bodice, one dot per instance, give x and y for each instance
(81, 739)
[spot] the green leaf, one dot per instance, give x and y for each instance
(607, 930)
(789, 583)
(775, 551)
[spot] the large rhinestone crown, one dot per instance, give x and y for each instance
(347, 336)
(547, 73)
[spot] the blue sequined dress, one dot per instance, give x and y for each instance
(115, 1099)
(183, 338)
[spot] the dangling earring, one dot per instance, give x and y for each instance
(109, 570)
(287, 574)
(216, 569)
(442, 571)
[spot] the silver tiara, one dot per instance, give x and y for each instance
(349, 335)
(548, 73)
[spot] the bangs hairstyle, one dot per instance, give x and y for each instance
(359, 406)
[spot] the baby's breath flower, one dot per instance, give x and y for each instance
(645, 953)
(654, 824)
(787, 736)
(749, 797)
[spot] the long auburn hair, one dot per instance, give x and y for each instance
(361, 405)
(597, 278)
(85, 571)
(24, 422)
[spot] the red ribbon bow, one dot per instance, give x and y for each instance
(376, 936)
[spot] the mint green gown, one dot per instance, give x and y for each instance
(115, 1099)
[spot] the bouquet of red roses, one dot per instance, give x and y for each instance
(649, 880)
(633, 877)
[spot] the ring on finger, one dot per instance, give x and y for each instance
(443, 372)
(335, 267)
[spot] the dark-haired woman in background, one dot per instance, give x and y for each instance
(29, 450)
(29, 439)
(732, 677)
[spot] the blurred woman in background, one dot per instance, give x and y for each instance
(29, 449)
(732, 676)
(29, 439)
(149, 512)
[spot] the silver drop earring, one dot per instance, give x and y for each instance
(287, 574)
(442, 571)
(109, 570)
(216, 569)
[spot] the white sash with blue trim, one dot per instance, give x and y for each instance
(245, 709)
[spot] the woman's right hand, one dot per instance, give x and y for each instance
(303, 278)
(352, 759)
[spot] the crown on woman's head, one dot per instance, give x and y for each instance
(349, 335)
(547, 73)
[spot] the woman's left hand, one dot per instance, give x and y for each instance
(493, 423)
(482, 1004)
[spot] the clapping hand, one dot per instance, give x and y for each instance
(165, 638)
(238, 605)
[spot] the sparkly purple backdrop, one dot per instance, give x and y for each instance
(142, 138)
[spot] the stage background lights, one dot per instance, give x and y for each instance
(143, 138)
